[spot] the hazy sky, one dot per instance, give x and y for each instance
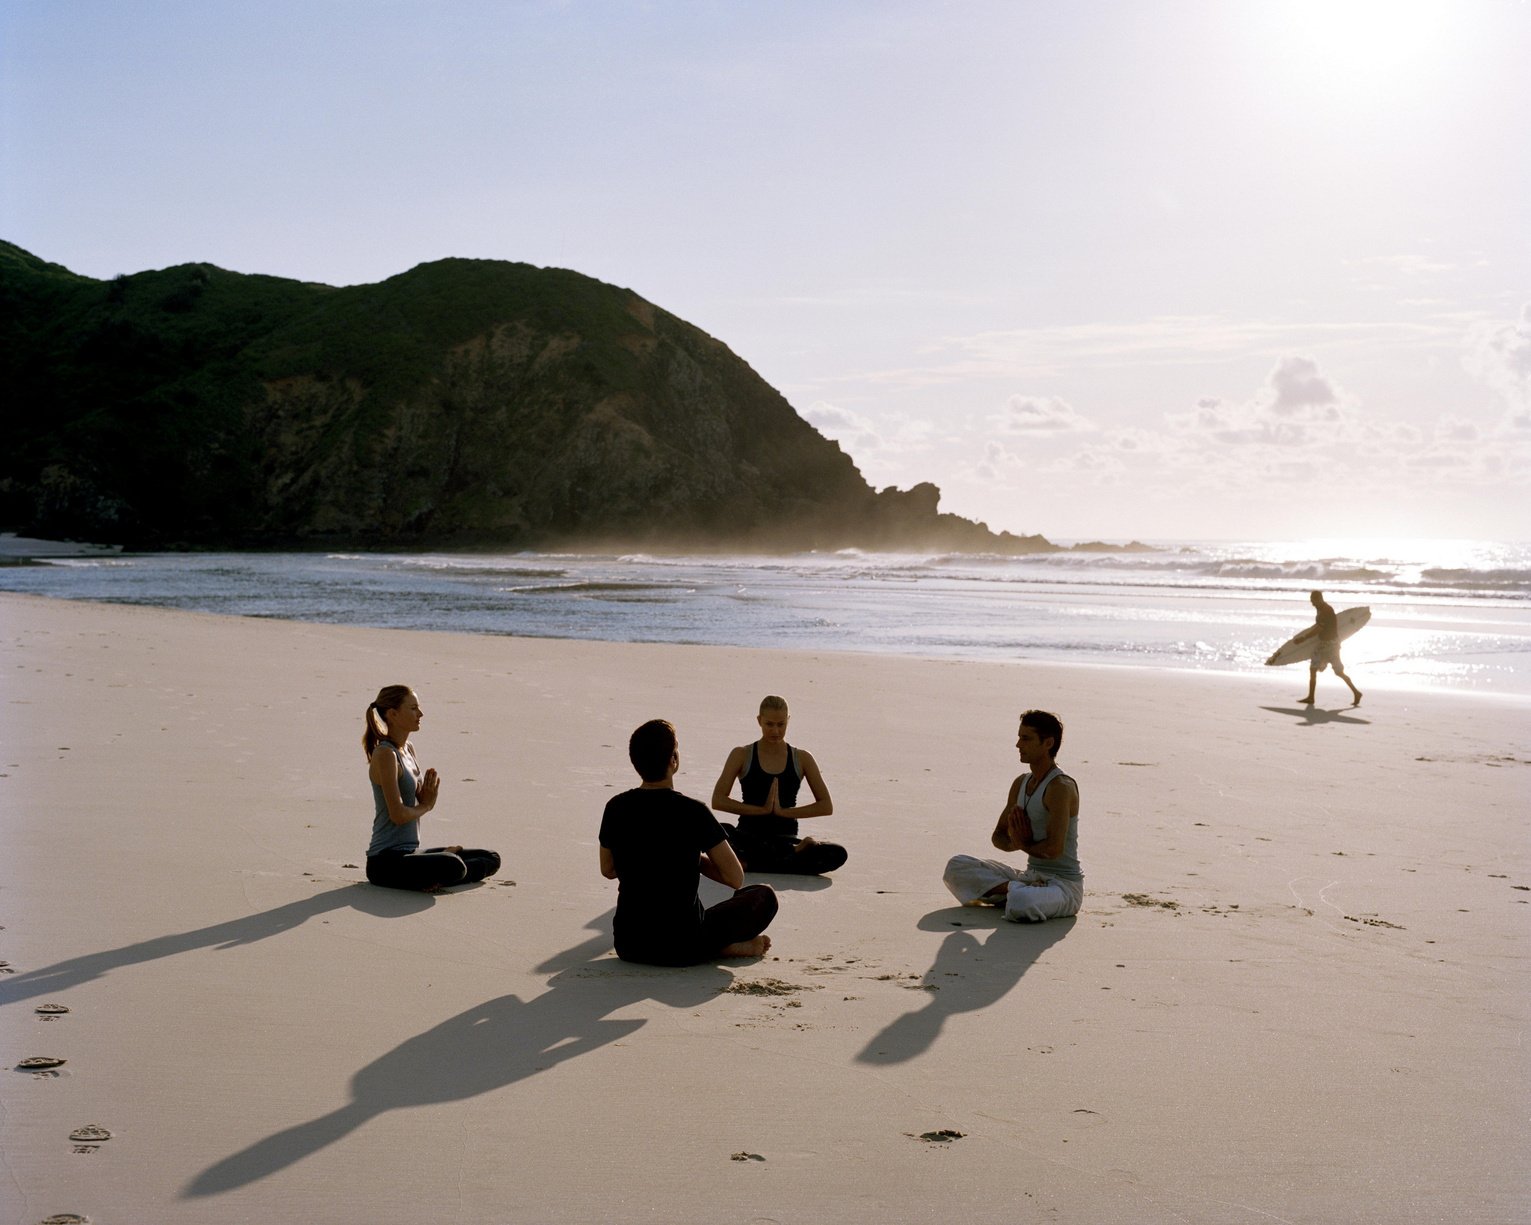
(1112, 268)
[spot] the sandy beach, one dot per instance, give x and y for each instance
(1297, 991)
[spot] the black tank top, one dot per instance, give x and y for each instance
(755, 786)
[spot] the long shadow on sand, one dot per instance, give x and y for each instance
(489, 1046)
(968, 974)
(785, 882)
(1312, 716)
(247, 929)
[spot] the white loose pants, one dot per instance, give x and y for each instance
(1030, 898)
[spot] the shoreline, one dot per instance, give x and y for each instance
(1300, 965)
(28, 547)
(1274, 678)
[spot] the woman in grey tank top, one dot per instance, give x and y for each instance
(402, 793)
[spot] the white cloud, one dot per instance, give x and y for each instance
(1094, 463)
(1454, 429)
(1375, 437)
(1443, 461)
(1039, 415)
(1499, 355)
(1300, 390)
(1098, 462)
(1166, 341)
(855, 434)
(1235, 425)
(1302, 430)
(1297, 407)
(996, 458)
(1176, 340)
(1140, 442)
(1406, 265)
(1294, 471)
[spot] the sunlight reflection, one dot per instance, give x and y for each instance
(1361, 51)
(1443, 554)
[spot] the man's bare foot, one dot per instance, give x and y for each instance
(1305, 701)
(747, 948)
(1357, 702)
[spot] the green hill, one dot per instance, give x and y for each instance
(462, 403)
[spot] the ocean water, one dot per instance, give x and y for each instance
(1444, 613)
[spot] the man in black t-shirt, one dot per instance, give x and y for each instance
(657, 844)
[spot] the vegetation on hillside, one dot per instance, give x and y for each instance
(464, 402)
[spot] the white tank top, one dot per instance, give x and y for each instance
(1066, 865)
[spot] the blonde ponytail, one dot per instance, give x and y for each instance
(390, 697)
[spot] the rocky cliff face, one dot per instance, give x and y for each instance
(462, 403)
(533, 425)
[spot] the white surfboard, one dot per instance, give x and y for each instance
(1299, 649)
(1302, 646)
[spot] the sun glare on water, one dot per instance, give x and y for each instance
(1407, 559)
(1376, 548)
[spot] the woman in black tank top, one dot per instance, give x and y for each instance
(766, 838)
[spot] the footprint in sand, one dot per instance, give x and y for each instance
(763, 986)
(38, 1062)
(1373, 921)
(1146, 899)
(50, 1012)
(91, 1133)
(65, 1218)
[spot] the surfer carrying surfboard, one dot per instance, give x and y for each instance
(1327, 653)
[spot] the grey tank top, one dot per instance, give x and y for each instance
(388, 838)
(1066, 865)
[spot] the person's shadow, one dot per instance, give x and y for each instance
(247, 929)
(1312, 716)
(489, 1046)
(968, 974)
(784, 882)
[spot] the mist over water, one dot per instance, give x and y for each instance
(1453, 613)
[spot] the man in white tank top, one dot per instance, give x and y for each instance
(1041, 818)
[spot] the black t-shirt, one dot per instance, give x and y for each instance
(654, 837)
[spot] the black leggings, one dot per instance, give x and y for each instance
(733, 920)
(436, 868)
(785, 855)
